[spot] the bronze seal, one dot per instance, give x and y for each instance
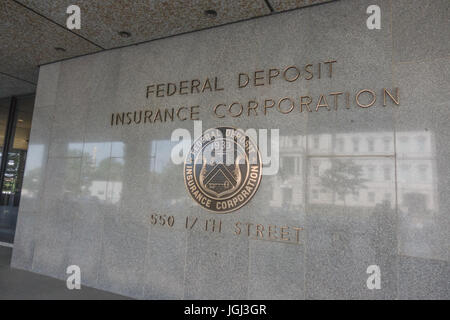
(223, 169)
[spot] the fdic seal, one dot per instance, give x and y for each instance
(223, 169)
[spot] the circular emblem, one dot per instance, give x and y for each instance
(223, 169)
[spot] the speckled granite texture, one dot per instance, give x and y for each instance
(368, 186)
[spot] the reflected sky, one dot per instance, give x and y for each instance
(36, 161)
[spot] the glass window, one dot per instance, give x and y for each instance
(15, 125)
(316, 170)
(316, 142)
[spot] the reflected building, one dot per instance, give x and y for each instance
(368, 153)
(362, 171)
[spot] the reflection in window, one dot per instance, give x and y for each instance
(387, 144)
(340, 144)
(160, 154)
(315, 194)
(288, 165)
(404, 140)
(404, 173)
(75, 149)
(423, 172)
(117, 149)
(114, 190)
(387, 173)
(421, 143)
(96, 152)
(316, 142)
(333, 182)
(370, 145)
(371, 172)
(287, 195)
(316, 170)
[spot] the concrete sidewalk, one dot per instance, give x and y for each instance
(19, 284)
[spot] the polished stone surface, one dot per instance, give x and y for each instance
(367, 185)
(422, 160)
(23, 285)
(47, 85)
(419, 29)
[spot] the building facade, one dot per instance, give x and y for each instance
(356, 120)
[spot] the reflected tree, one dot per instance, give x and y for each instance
(106, 170)
(163, 182)
(343, 177)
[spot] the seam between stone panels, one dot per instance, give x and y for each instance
(185, 262)
(423, 60)
(393, 79)
(391, 27)
(79, 195)
(396, 203)
(417, 257)
(306, 207)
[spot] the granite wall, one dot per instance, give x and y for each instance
(369, 186)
